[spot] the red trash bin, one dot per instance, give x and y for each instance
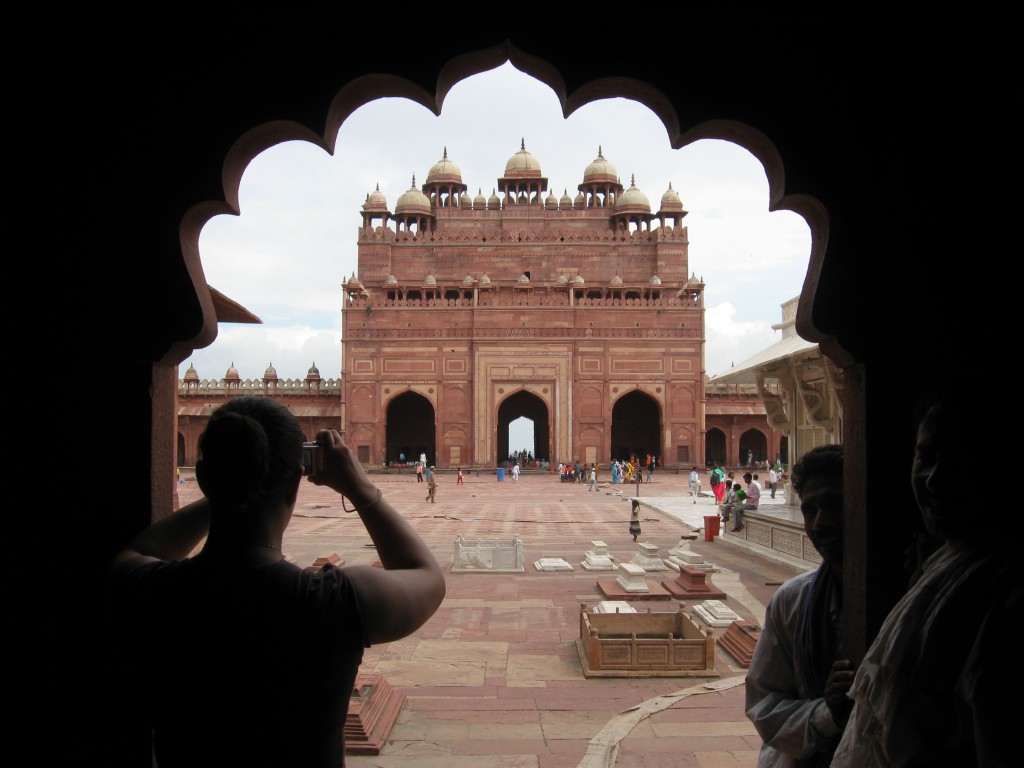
(711, 527)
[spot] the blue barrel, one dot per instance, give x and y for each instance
(501, 474)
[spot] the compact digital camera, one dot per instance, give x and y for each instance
(310, 457)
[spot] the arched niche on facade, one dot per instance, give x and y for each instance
(636, 426)
(753, 447)
(411, 427)
(715, 448)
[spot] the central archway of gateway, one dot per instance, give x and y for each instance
(524, 404)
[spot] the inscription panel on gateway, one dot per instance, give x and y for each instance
(624, 366)
(410, 365)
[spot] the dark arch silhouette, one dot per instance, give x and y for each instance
(526, 404)
(753, 447)
(411, 428)
(715, 448)
(636, 426)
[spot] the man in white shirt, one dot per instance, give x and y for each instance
(773, 479)
(797, 681)
(751, 502)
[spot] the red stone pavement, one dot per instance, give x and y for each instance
(494, 679)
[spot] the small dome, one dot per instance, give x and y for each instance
(484, 279)
(431, 280)
(616, 280)
(600, 171)
(353, 283)
(413, 202)
(655, 280)
(670, 200)
(522, 165)
(479, 202)
(633, 200)
(191, 374)
(580, 201)
(314, 372)
(566, 202)
(232, 374)
(392, 280)
(694, 281)
(468, 280)
(270, 374)
(579, 280)
(523, 278)
(552, 202)
(444, 171)
(562, 280)
(375, 201)
(493, 202)
(466, 201)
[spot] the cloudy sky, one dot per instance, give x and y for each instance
(285, 257)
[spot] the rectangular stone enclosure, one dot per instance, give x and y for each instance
(658, 644)
(499, 556)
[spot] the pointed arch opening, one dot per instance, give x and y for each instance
(526, 405)
(715, 448)
(411, 428)
(753, 447)
(636, 426)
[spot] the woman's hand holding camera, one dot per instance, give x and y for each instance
(338, 468)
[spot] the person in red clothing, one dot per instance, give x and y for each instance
(718, 483)
(459, 480)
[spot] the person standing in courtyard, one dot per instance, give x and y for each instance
(592, 483)
(694, 484)
(431, 484)
(515, 473)
(773, 480)
(236, 634)
(458, 480)
(419, 472)
(717, 480)
(798, 677)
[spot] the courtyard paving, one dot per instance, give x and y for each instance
(494, 679)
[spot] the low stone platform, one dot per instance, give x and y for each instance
(740, 639)
(612, 590)
(372, 712)
(332, 558)
(691, 584)
(715, 613)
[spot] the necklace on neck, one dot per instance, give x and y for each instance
(268, 546)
